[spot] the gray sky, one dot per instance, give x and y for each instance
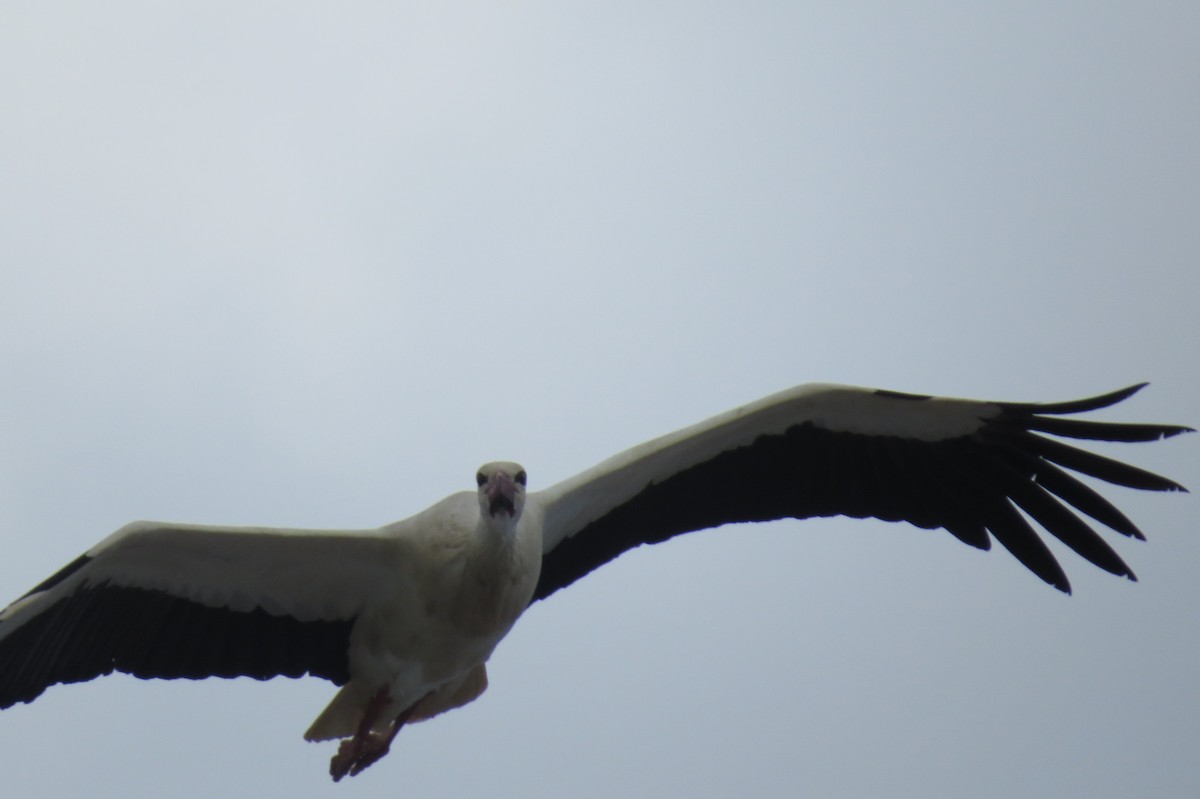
(309, 264)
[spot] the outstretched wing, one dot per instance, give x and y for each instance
(824, 450)
(164, 600)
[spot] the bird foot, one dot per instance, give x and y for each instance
(357, 753)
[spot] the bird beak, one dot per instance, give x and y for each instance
(501, 494)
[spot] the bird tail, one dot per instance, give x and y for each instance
(455, 694)
(340, 719)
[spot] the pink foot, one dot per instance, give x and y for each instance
(356, 754)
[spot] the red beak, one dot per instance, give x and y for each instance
(501, 494)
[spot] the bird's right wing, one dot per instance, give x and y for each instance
(170, 600)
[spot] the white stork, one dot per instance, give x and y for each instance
(405, 616)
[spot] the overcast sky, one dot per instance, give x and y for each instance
(310, 264)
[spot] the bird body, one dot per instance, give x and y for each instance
(404, 617)
(458, 583)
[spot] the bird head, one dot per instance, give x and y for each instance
(501, 490)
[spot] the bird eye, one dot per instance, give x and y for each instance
(480, 479)
(521, 477)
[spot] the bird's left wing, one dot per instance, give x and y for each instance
(169, 600)
(825, 450)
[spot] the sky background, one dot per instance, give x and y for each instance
(310, 264)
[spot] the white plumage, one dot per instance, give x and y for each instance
(405, 616)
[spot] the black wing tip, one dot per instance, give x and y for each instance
(1154, 431)
(1064, 584)
(1129, 391)
(1051, 574)
(1160, 483)
(1120, 395)
(1076, 406)
(1161, 431)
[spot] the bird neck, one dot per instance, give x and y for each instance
(494, 590)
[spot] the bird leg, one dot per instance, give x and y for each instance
(355, 754)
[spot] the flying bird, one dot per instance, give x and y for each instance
(404, 617)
